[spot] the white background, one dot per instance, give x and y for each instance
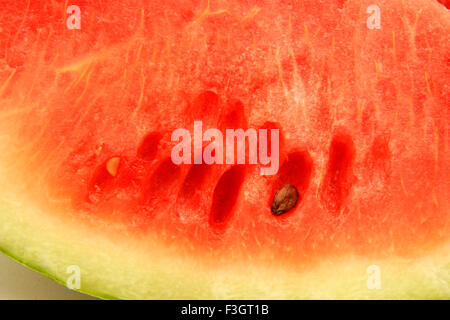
(19, 282)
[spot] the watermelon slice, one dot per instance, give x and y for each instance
(358, 90)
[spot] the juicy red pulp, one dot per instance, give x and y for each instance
(362, 117)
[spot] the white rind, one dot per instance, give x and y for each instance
(129, 269)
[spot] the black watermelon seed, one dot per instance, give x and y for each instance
(285, 199)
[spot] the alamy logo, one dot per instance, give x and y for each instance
(373, 21)
(74, 280)
(74, 20)
(374, 280)
(235, 147)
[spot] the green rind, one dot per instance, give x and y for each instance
(50, 276)
(123, 269)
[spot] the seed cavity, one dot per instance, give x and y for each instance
(234, 117)
(204, 104)
(161, 183)
(148, 148)
(112, 165)
(165, 175)
(339, 178)
(285, 200)
(225, 197)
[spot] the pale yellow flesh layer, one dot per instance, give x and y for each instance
(125, 267)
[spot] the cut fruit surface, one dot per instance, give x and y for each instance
(87, 175)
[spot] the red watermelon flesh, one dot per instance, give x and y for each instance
(86, 118)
